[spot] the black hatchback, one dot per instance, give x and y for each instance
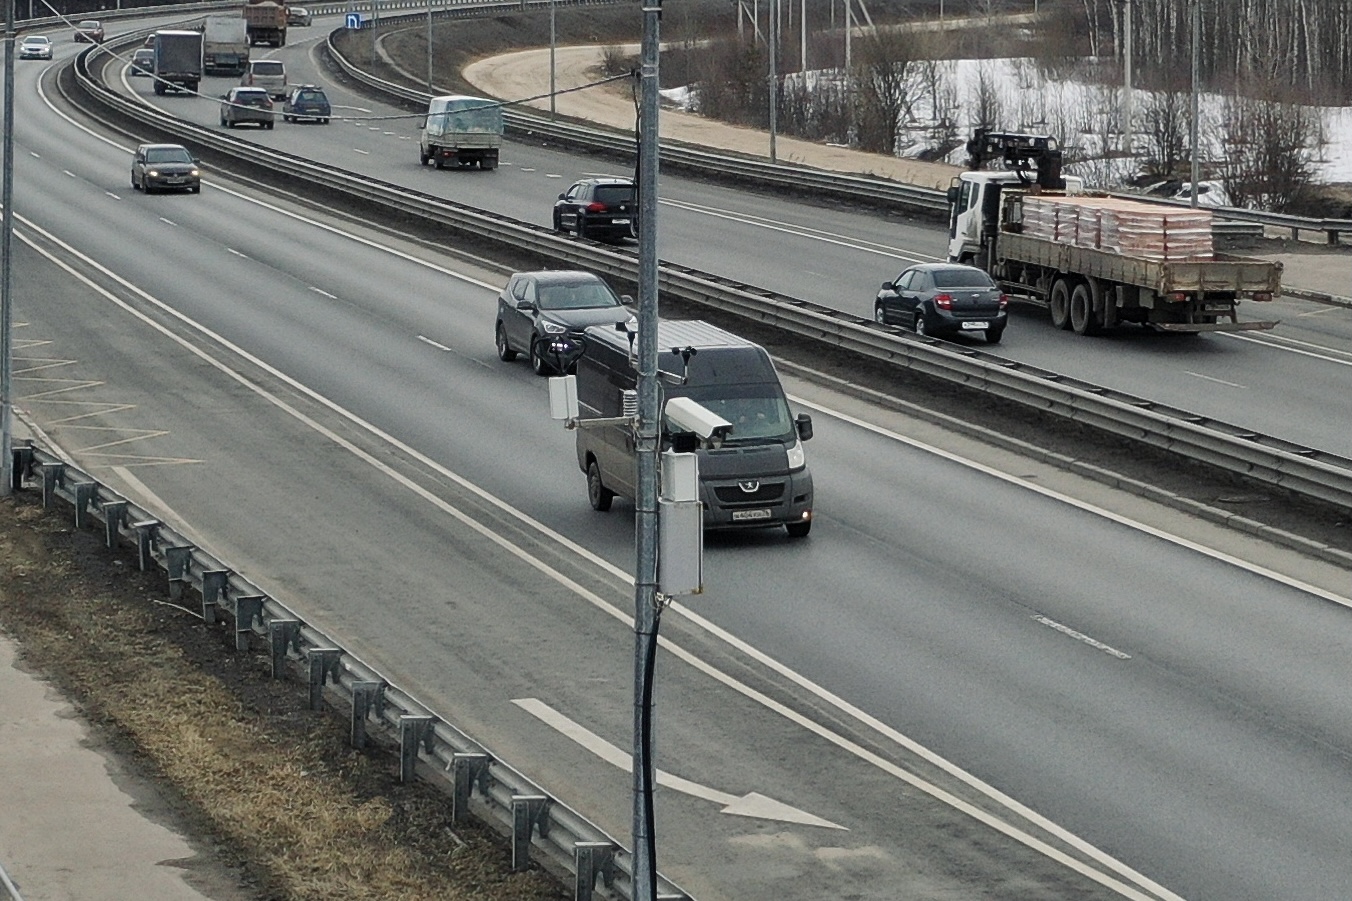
(602, 208)
(944, 299)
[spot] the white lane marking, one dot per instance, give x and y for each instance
(552, 175)
(237, 253)
(622, 615)
(324, 293)
(1080, 636)
(1280, 342)
(168, 222)
(35, 155)
(112, 195)
(525, 169)
(752, 804)
(1212, 378)
(362, 152)
(426, 340)
(804, 232)
(70, 173)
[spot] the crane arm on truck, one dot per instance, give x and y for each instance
(1036, 158)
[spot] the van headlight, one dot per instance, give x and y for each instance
(797, 456)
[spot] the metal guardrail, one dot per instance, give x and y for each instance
(477, 782)
(1304, 471)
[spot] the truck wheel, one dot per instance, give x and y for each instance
(1059, 304)
(489, 163)
(798, 529)
(1083, 319)
(598, 495)
(439, 162)
(423, 157)
(505, 352)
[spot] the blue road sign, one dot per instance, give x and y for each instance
(354, 20)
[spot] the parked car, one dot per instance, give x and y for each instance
(35, 46)
(240, 105)
(307, 102)
(536, 308)
(266, 73)
(89, 32)
(167, 167)
(604, 208)
(299, 15)
(944, 299)
(143, 62)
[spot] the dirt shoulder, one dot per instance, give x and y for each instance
(279, 806)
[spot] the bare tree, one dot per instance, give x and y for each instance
(1271, 146)
(1165, 122)
(887, 86)
(985, 103)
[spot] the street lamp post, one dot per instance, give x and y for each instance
(1196, 73)
(430, 91)
(553, 43)
(6, 261)
(774, 76)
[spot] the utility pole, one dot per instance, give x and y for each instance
(553, 43)
(6, 262)
(1126, 80)
(1196, 75)
(774, 76)
(802, 51)
(431, 92)
(646, 441)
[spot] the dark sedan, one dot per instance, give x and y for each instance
(944, 299)
(543, 314)
(164, 167)
(603, 208)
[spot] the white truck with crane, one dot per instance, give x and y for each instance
(1095, 261)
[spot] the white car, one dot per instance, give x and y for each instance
(35, 46)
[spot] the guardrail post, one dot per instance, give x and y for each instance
(214, 583)
(23, 465)
(176, 562)
(146, 533)
(593, 859)
(114, 515)
(53, 477)
(84, 493)
(247, 609)
(528, 812)
(367, 697)
(413, 731)
(283, 634)
(323, 666)
(467, 770)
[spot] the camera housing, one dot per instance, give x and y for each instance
(688, 415)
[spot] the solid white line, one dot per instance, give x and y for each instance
(324, 293)
(237, 253)
(1277, 342)
(426, 340)
(1080, 636)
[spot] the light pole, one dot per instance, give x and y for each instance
(6, 261)
(774, 75)
(1126, 80)
(553, 42)
(430, 91)
(646, 448)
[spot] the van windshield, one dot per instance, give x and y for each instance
(757, 411)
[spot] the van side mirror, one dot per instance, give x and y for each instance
(952, 195)
(627, 300)
(804, 426)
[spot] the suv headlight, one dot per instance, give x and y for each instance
(552, 328)
(797, 456)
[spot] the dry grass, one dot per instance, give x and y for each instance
(268, 783)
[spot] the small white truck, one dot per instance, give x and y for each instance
(461, 130)
(1095, 261)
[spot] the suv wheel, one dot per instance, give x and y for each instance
(505, 352)
(538, 365)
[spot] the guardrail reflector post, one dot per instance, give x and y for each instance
(53, 476)
(84, 493)
(593, 859)
(214, 582)
(413, 731)
(527, 812)
(247, 609)
(23, 465)
(283, 634)
(176, 562)
(114, 515)
(467, 770)
(366, 698)
(146, 533)
(323, 666)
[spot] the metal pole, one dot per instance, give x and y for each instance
(1196, 73)
(849, 75)
(802, 51)
(1126, 82)
(430, 91)
(553, 43)
(6, 263)
(646, 446)
(774, 76)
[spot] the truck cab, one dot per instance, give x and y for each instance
(974, 211)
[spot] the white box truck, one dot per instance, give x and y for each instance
(461, 130)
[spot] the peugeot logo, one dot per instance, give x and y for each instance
(749, 487)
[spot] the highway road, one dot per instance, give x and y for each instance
(320, 400)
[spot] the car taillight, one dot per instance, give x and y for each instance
(1262, 296)
(1004, 301)
(943, 301)
(1176, 296)
(596, 206)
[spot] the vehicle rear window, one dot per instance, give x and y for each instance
(615, 193)
(309, 95)
(268, 68)
(961, 278)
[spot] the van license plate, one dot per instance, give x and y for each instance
(620, 221)
(746, 515)
(975, 326)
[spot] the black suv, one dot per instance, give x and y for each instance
(604, 208)
(543, 314)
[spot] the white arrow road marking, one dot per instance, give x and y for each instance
(752, 804)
